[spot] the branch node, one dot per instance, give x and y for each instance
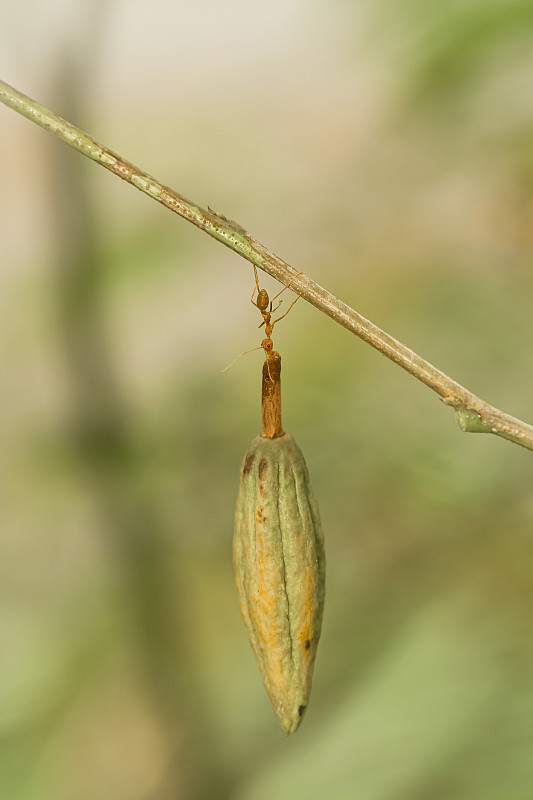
(469, 421)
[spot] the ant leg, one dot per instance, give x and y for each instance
(287, 311)
(256, 288)
(281, 292)
(285, 287)
(256, 278)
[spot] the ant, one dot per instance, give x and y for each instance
(264, 305)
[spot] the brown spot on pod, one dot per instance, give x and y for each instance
(248, 463)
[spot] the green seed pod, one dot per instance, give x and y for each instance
(278, 551)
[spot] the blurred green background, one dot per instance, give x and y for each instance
(384, 148)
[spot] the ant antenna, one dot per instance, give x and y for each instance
(239, 356)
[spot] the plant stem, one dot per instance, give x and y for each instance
(473, 414)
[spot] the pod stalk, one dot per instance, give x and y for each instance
(271, 396)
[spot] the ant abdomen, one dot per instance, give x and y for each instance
(262, 300)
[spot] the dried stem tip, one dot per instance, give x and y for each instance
(271, 396)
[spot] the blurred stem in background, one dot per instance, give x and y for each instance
(102, 439)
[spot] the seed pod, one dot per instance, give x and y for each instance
(278, 551)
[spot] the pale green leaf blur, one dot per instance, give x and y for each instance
(385, 148)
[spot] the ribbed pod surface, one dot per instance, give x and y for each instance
(278, 552)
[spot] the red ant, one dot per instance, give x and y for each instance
(262, 303)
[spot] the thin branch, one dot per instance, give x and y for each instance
(473, 414)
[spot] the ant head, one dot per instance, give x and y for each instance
(267, 345)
